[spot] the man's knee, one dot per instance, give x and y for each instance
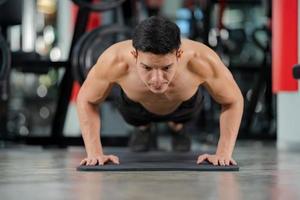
(144, 127)
(175, 126)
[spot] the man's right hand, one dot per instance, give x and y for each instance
(100, 160)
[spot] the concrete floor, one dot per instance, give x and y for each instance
(36, 173)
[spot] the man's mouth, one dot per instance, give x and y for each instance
(157, 86)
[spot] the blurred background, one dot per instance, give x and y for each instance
(52, 44)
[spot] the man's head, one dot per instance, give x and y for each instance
(156, 41)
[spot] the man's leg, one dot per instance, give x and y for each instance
(175, 126)
(181, 141)
(140, 139)
(133, 114)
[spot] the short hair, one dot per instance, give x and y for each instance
(156, 35)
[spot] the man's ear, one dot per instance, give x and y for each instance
(179, 53)
(134, 53)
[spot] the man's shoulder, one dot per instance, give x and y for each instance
(112, 62)
(121, 46)
(197, 48)
(198, 53)
(201, 57)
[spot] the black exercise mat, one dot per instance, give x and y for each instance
(158, 161)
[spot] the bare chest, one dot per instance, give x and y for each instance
(182, 88)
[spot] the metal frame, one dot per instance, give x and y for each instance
(263, 72)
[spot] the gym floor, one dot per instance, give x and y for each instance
(37, 173)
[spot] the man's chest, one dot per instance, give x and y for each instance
(180, 89)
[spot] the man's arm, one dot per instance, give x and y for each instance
(221, 86)
(93, 92)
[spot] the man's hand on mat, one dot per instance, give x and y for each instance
(216, 159)
(100, 160)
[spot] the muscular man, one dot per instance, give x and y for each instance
(159, 75)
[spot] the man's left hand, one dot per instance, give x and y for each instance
(216, 159)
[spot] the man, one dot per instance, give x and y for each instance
(159, 74)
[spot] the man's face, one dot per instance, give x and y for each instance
(156, 71)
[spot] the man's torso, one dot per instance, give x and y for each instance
(182, 87)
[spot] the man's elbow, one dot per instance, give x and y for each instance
(80, 99)
(240, 100)
(236, 102)
(82, 102)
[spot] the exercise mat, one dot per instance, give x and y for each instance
(157, 161)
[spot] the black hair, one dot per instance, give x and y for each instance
(156, 35)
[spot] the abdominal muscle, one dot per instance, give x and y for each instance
(161, 108)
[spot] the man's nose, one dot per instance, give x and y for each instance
(157, 75)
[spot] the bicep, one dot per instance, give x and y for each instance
(101, 78)
(221, 85)
(95, 88)
(223, 89)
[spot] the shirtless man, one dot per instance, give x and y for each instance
(159, 74)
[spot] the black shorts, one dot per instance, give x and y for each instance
(136, 115)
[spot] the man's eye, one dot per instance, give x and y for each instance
(147, 68)
(166, 68)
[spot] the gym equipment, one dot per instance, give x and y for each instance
(234, 44)
(5, 61)
(263, 84)
(158, 161)
(246, 50)
(2, 2)
(296, 71)
(10, 13)
(98, 6)
(91, 45)
(4, 58)
(67, 81)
